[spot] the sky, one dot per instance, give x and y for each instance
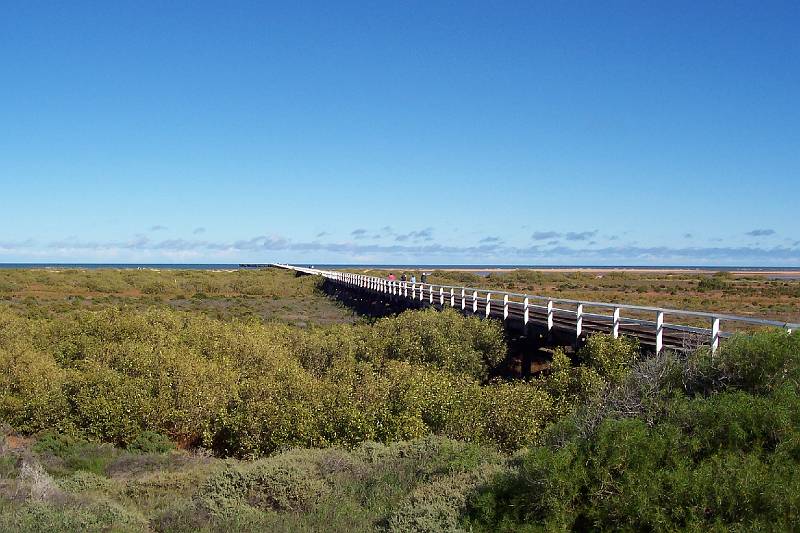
(598, 133)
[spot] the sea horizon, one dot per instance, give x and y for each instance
(431, 266)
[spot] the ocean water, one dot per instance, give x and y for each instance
(481, 268)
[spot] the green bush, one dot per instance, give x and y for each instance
(150, 442)
(439, 504)
(445, 339)
(757, 363)
(610, 357)
(720, 449)
(76, 453)
(47, 517)
(712, 283)
(629, 476)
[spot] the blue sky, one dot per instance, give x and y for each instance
(436, 132)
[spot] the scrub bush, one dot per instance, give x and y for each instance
(150, 442)
(716, 447)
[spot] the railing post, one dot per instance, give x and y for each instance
(463, 300)
(615, 325)
(714, 335)
(526, 311)
(452, 298)
(488, 304)
(474, 301)
(505, 307)
(413, 291)
(441, 296)
(405, 289)
(549, 315)
(659, 331)
(430, 293)
(579, 321)
(421, 291)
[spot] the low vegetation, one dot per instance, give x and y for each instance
(724, 292)
(139, 417)
(267, 295)
(693, 443)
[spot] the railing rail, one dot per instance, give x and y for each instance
(489, 300)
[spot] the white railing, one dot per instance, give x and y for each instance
(546, 313)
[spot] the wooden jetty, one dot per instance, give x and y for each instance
(656, 328)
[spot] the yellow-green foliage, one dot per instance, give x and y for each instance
(610, 357)
(443, 340)
(247, 389)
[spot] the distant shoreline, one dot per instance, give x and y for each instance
(608, 270)
(484, 269)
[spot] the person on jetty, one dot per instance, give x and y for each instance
(391, 276)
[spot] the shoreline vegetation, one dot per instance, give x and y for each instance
(216, 401)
